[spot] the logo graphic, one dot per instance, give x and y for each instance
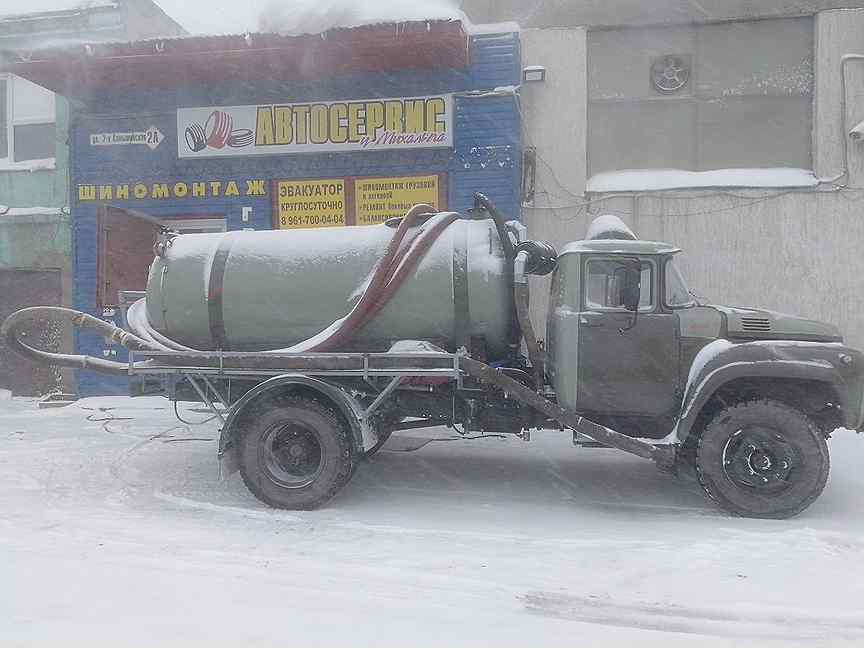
(217, 133)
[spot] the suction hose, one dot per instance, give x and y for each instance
(12, 329)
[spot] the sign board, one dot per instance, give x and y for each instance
(303, 204)
(152, 138)
(319, 127)
(378, 199)
(198, 189)
(338, 202)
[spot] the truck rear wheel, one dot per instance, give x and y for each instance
(762, 459)
(296, 455)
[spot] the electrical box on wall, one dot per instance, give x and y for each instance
(534, 74)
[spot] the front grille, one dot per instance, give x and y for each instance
(756, 324)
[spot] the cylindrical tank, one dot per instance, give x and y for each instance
(248, 291)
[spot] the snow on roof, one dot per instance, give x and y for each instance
(607, 227)
(317, 16)
(35, 7)
(659, 179)
(300, 17)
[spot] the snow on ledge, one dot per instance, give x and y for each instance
(48, 164)
(30, 211)
(32, 8)
(659, 179)
(491, 28)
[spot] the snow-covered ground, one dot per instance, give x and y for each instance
(119, 533)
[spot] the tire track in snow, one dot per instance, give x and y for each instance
(666, 617)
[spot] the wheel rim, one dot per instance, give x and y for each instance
(760, 458)
(292, 454)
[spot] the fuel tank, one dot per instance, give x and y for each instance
(251, 291)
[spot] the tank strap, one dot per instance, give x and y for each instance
(215, 303)
(461, 303)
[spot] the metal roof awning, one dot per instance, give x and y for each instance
(203, 60)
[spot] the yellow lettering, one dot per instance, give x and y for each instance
(338, 120)
(318, 126)
(301, 130)
(374, 118)
(181, 189)
(284, 129)
(199, 189)
(160, 191)
(393, 116)
(255, 188)
(264, 126)
(140, 191)
(215, 187)
(231, 189)
(355, 121)
(415, 116)
(106, 192)
(435, 108)
(86, 192)
(122, 192)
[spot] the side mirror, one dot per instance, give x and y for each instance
(631, 284)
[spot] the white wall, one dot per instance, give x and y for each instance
(554, 120)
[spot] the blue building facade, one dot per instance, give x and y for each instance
(110, 168)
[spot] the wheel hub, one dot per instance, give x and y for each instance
(761, 458)
(292, 455)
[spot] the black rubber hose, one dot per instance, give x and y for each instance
(497, 217)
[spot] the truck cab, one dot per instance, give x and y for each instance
(747, 395)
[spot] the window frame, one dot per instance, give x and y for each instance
(693, 303)
(694, 99)
(651, 263)
(9, 162)
(6, 160)
(198, 225)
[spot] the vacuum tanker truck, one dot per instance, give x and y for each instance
(313, 347)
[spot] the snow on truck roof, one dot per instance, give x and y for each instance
(615, 246)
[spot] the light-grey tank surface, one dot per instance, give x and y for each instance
(272, 289)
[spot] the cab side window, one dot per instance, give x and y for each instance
(604, 283)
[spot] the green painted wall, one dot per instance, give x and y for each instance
(38, 240)
(43, 188)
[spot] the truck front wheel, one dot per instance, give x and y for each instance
(762, 459)
(296, 454)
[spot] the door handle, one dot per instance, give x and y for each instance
(590, 319)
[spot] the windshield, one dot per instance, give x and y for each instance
(678, 294)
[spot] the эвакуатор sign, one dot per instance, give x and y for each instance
(320, 127)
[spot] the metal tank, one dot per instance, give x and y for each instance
(246, 291)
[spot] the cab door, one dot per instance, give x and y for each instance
(624, 367)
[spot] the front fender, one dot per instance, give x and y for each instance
(362, 434)
(723, 361)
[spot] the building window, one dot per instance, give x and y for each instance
(27, 121)
(701, 97)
